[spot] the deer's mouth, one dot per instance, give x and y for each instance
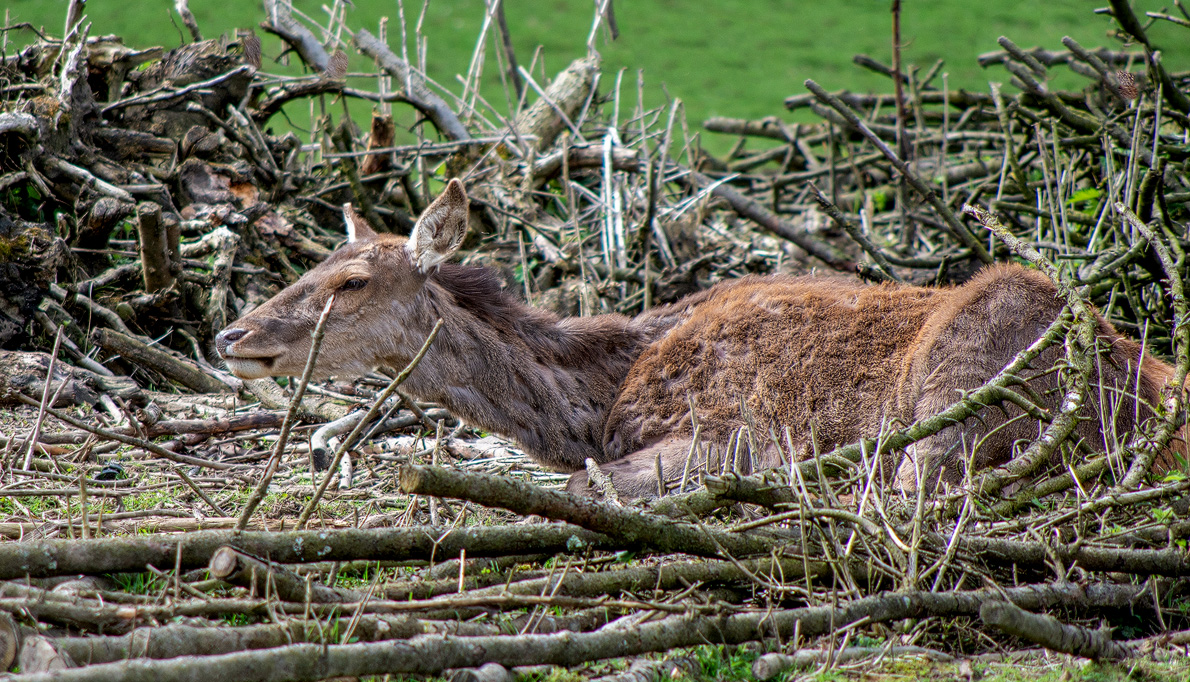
(234, 345)
(250, 367)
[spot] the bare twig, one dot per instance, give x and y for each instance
(279, 448)
(380, 400)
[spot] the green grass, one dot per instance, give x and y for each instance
(735, 664)
(736, 58)
(137, 583)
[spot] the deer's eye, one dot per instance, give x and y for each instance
(353, 284)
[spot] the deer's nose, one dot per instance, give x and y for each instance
(227, 337)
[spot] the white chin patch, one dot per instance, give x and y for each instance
(247, 368)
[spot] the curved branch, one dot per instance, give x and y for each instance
(282, 24)
(421, 97)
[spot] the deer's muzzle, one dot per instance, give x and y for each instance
(242, 365)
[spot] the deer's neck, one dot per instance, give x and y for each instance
(545, 382)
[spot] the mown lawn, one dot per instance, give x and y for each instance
(721, 57)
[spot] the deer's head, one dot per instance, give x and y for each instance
(377, 282)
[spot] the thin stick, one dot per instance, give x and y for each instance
(908, 235)
(433, 460)
(855, 233)
(137, 442)
(380, 400)
(45, 399)
(1149, 448)
(127, 440)
(258, 494)
(953, 224)
(514, 73)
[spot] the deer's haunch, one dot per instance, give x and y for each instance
(814, 355)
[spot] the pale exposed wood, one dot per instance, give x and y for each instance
(557, 106)
(183, 9)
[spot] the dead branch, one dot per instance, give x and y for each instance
(425, 100)
(172, 367)
(957, 229)
(171, 641)
(183, 9)
(431, 654)
(282, 24)
(1052, 634)
(771, 665)
(558, 104)
(237, 568)
(753, 211)
(631, 527)
(119, 554)
(1088, 185)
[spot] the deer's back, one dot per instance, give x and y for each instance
(792, 350)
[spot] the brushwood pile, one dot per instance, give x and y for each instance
(159, 516)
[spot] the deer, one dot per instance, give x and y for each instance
(824, 360)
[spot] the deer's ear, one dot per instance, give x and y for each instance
(358, 229)
(440, 229)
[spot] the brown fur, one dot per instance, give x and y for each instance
(836, 359)
(820, 356)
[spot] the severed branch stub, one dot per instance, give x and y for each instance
(156, 268)
(38, 655)
(240, 568)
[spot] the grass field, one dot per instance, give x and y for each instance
(726, 57)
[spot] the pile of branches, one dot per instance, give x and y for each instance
(147, 197)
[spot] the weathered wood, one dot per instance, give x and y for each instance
(38, 655)
(1052, 634)
(420, 96)
(557, 105)
(237, 568)
(156, 268)
(431, 654)
(115, 555)
(380, 137)
(10, 641)
(282, 23)
(632, 527)
(171, 641)
(259, 206)
(182, 371)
